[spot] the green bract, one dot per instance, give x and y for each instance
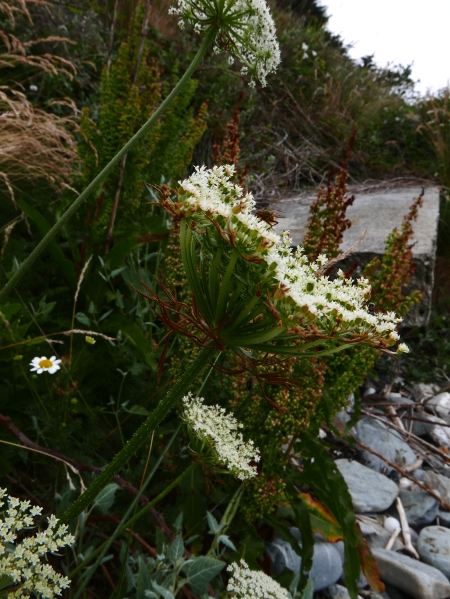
(252, 291)
(246, 30)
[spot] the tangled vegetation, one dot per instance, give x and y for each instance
(170, 281)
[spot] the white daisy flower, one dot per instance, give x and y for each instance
(50, 365)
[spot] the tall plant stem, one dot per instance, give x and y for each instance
(180, 388)
(207, 41)
(123, 527)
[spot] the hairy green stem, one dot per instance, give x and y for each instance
(180, 388)
(207, 41)
(123, 527)
(107, 544)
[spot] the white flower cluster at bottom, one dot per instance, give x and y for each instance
(21, 562)
(218, 431)
(251, 584)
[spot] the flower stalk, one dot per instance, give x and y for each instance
(208, 39)
(123, 527)
(178, 390)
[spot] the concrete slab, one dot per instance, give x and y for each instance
(378, 212)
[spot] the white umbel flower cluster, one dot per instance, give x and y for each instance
(218, 431)
(22, 563)
(247, 31)
(251, 584)
(335, 307)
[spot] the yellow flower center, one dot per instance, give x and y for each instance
(45, 363)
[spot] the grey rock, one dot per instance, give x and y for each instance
(336, 591)
(361, 582)
(393, 593)
(370, 491)
(438, 483)
(423, 425)
(327, 565)
(421, 508)
(399, 398)
(424, 391)
(384, 441)
(434, 547)
(434, 426)
(418, 580)
(382, 596)
(379, 212)
(418, 474)
(376, 535)
(369, 391)
(440, 403)
(342, 417)
(440, 434)
(444, 518)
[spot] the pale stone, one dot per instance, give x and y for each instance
(370, 490)
(434, 547)
(438, 483)
(378, 211)
(419, 580)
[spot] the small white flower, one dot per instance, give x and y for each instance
(50, 365)
(403, 349)
(33, 88)
(89, 339)
(218, 432)
(303, 297)
(247, 31)
(23, 562)
(252, 584)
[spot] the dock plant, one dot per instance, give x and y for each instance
(250, 297)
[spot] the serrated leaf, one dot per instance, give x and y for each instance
(231, 510)
(105, 498)
(131, 578)
(309, 590)
(165, 593)
(202, 571)
(176, 550)
(368, 563)
(225, 539)
(322, 520)
(9, 310)
(305, 549)
(138, 410)
(144, 581)
(356, 413)
(252, 550)
(321, 474)
(178, 524)
(83, 319)
(105, 315)
(294, 584)
(214, 527)
(43, 226)
(117, 271)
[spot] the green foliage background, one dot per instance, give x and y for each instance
(103, 391)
